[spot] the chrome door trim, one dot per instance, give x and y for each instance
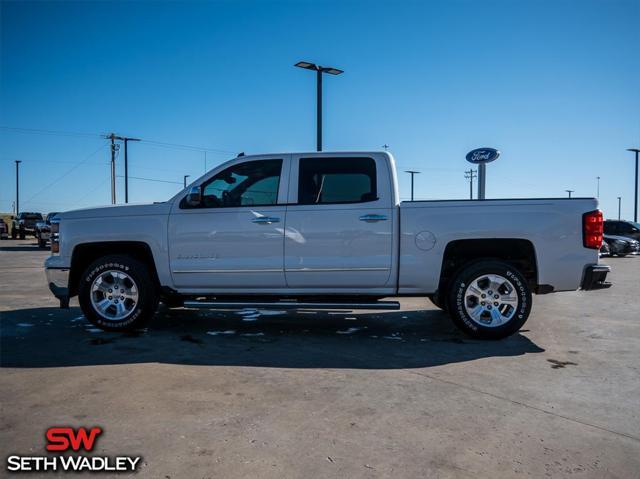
(190, 271)
(328, 270)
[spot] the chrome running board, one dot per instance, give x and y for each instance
(386, 305)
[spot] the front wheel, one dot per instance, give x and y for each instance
(489, 300)
(117, 293)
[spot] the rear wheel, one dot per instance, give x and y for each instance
(489, 300)
(117, 293)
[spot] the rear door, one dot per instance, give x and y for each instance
(339, 229)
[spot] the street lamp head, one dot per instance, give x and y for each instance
(331, 70)
(318, 68)
(412, 172)
(306, 65)
(634, 149)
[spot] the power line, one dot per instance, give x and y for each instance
(66, 173)
(179, 146)
(36, 131)
(151, 179)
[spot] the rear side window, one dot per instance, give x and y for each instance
(336, 180)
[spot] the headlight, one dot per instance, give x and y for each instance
(55, 236)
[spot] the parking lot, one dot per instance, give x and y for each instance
(330, 394)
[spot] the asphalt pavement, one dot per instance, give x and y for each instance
(235, 394)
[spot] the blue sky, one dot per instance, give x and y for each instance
(554, 85)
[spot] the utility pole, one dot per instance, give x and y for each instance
(185, 180)
(18, 186)
(126, 167)
(470, 175)
(619, 206)
(412, 173)
(114, 148)
(569, 191)
(598, 187)
(635, 198)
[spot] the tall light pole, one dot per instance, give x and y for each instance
(598, 187)
(635, 198)
(569, 191)
(619, 205)
(18, 186)
(319, 71)
(185, 180)
(412, 173)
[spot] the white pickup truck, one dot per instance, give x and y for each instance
(323, 231)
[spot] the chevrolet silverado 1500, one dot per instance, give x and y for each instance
(323, 230)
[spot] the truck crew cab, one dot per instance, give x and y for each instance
(323, 230)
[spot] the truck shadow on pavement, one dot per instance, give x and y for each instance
(50, 337)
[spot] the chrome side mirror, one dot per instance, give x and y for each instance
(194, 198)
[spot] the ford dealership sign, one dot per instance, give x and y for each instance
(482, 155)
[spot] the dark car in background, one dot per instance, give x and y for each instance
(622, 228)
(621, 245)
(4, 229)
(43, 230)
(25, 223)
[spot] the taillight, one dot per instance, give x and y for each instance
(55, 236)
(592, 229)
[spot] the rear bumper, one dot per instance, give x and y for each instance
(58, 281)
(595, 276)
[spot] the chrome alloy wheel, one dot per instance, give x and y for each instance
(114, 295)
(491, 300)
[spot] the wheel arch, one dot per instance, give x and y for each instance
(86, 253)
(519, 252)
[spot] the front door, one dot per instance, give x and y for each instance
(339, 230)
(234, 237)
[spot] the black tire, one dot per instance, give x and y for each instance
(458, 303)
(140, 313)
(14, 233)
(437, 302)
(23, 235)
(42, 243)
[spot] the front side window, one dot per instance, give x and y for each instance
(336, 180)
(253, 183)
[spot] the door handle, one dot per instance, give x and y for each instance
(265, 220)
(373, 218)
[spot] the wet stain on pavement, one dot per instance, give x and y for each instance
(555, 364)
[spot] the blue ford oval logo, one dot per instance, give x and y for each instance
(482, 155)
